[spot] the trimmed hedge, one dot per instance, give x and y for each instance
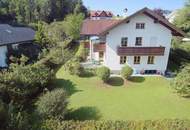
(126, 72)
(117, 125)
(103, 73)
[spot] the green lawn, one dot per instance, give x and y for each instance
(140, 99)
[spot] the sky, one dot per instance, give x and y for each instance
(118, 6)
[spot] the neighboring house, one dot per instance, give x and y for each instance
(11, 37)
(142, 40)
(171, 17)
(96, 15)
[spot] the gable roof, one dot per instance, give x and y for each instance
(102, 13)
(10, 35)
(95, 27)
(153, 15)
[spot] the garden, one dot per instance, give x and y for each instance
(139, 98)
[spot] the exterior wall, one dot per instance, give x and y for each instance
(96, 56)
(154, 35)
(3, 56)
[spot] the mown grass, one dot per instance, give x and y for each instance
(148, 98)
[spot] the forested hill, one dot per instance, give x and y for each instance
(28, 11)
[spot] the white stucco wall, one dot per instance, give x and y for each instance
(153, 35)
(3, 56)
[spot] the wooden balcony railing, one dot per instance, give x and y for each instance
(99, 47)
(142, 51)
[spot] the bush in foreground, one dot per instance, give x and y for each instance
(126, 72)
(53, 104)
(182, 82)
(103, 73)
(117, 125)
(22, 82)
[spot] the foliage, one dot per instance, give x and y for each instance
(116, 125)
(53, 104)
(24, 59)
(41, 37)
(179, 55)
(3, 115)
(72, 25)
(57, 55)
(81, 53)
(80, 8)
(27, 11)
(56, 31)
(182, 19)
(74, 67)
(182, 82)
(24, 81)
(126, 71)
(103, 73)
(18, 119)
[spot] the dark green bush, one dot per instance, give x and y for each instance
(126, 72)
(182, 82)
(21, 82)
(53, 104)
(3, 115)
(103, 73)
(117, 125)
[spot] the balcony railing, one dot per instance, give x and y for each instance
(99, 47)
(142, 51)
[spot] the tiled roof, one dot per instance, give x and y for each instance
(98, 13)
(9, 34)
(94, 27)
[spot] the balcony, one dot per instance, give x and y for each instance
(99, 47)
(141, 51)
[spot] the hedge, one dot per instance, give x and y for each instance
(117, 125)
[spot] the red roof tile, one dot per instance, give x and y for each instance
(94, 27)
(99, 13)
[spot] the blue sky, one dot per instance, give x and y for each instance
(117, 6)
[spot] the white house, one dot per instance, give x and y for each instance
(142, 40)
(11, 37)
(100, 14)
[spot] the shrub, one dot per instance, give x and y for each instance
(75, 68)
(81, 53)
(3, 115)
(126, 72)
(182, 82)
(103, 73)
(52, 104)
(117, 125)
(21, 82)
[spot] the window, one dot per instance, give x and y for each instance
(138, 41)
(123, 59)
(150, 60)
(140, 25)
(124, 41)
(137, 59)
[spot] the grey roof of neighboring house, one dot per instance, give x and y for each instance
(10, 35)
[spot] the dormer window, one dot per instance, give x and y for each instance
(140, 25)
